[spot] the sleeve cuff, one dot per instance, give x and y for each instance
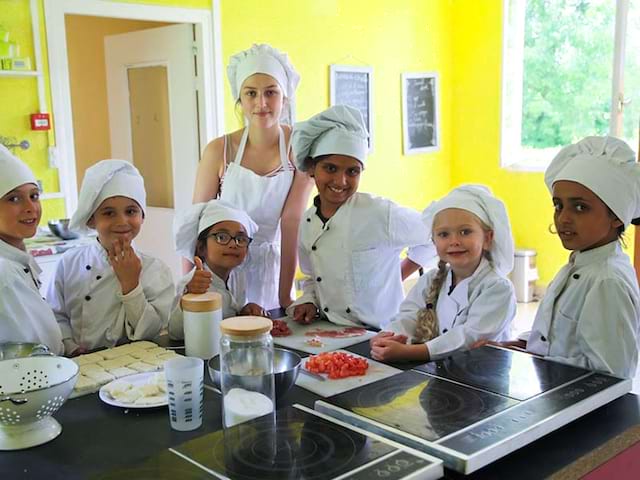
(69, 346)
(423, 255)
(132, 294)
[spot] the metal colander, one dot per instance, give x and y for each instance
(31, 390)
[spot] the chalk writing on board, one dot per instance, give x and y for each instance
(420, 113)
(352, 86)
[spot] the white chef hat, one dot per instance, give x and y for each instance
(605, 165)
(192, 221)
(15, 173)
(479, 200)
(106, 179)
(263, 58)
(338, 130)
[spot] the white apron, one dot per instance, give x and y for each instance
(263, 198)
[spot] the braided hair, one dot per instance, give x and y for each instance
(427, 326)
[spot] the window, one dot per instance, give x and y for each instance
(566, 63)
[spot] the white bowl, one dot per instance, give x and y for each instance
(45, 383)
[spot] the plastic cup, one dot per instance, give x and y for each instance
(185, 389)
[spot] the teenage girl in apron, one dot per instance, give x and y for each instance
(260, 179)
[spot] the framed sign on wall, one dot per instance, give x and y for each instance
(353, 86)
(420, 117)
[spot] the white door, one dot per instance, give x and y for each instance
(172, 49)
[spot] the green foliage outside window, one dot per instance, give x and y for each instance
(567, 71)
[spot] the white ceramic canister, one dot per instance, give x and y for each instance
(202, 316)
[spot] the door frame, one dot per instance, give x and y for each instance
(211, 81)
(636, 231)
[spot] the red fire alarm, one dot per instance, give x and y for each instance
(40, 121)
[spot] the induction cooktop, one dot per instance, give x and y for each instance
(302, 444)
(473, 408)
(514, 374)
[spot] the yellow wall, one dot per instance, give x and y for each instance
(19, 98)
(477, 52)
(391, 37)
(460, 39)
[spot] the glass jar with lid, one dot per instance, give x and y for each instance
(246, 369)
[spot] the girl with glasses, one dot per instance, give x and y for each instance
(215, 236)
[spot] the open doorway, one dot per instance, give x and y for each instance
(138, 83)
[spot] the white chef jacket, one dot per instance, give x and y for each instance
(352, 262)
(230, 307)
(24, 315)
(91, 310)
(480, 307)
(590, 313)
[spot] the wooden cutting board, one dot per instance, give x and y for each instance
(328, 388)
(297, 340)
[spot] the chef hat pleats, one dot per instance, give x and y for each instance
(106, 179)
(479, 200)
(263, 58)
(15, 172)
(605, 165)
(192, 221)
(337, 130)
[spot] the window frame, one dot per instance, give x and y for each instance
(513, 155)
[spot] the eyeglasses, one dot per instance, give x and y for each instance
(223, 238)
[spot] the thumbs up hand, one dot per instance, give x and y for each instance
(199, 265)
(201, 280)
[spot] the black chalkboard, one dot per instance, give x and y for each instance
(420, 115)
(352, 86)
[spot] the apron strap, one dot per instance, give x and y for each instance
(241, 147)
(284, 151)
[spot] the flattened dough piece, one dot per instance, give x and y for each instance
(117, 362)
(142, 367)
(101, 376)
(88, 358)
(122, 372)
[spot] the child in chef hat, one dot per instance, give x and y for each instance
(350, 242)
(108, 290)
(590, 313)
(468, 297)
(215, 236)
(24, 315)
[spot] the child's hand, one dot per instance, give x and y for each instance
(126, 265)
(388, 336)
(253, 309)
(201, 280)
(286, 301)
(305, 313)
(388, 350)
(79, 351)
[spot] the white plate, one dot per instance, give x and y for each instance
(137, 379)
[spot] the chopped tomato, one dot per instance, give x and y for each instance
(337, 365)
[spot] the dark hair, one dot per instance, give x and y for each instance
(201, 244)
(620, 229)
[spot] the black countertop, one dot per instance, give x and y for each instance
(97, 438)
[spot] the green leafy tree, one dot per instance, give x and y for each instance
(567, 70)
